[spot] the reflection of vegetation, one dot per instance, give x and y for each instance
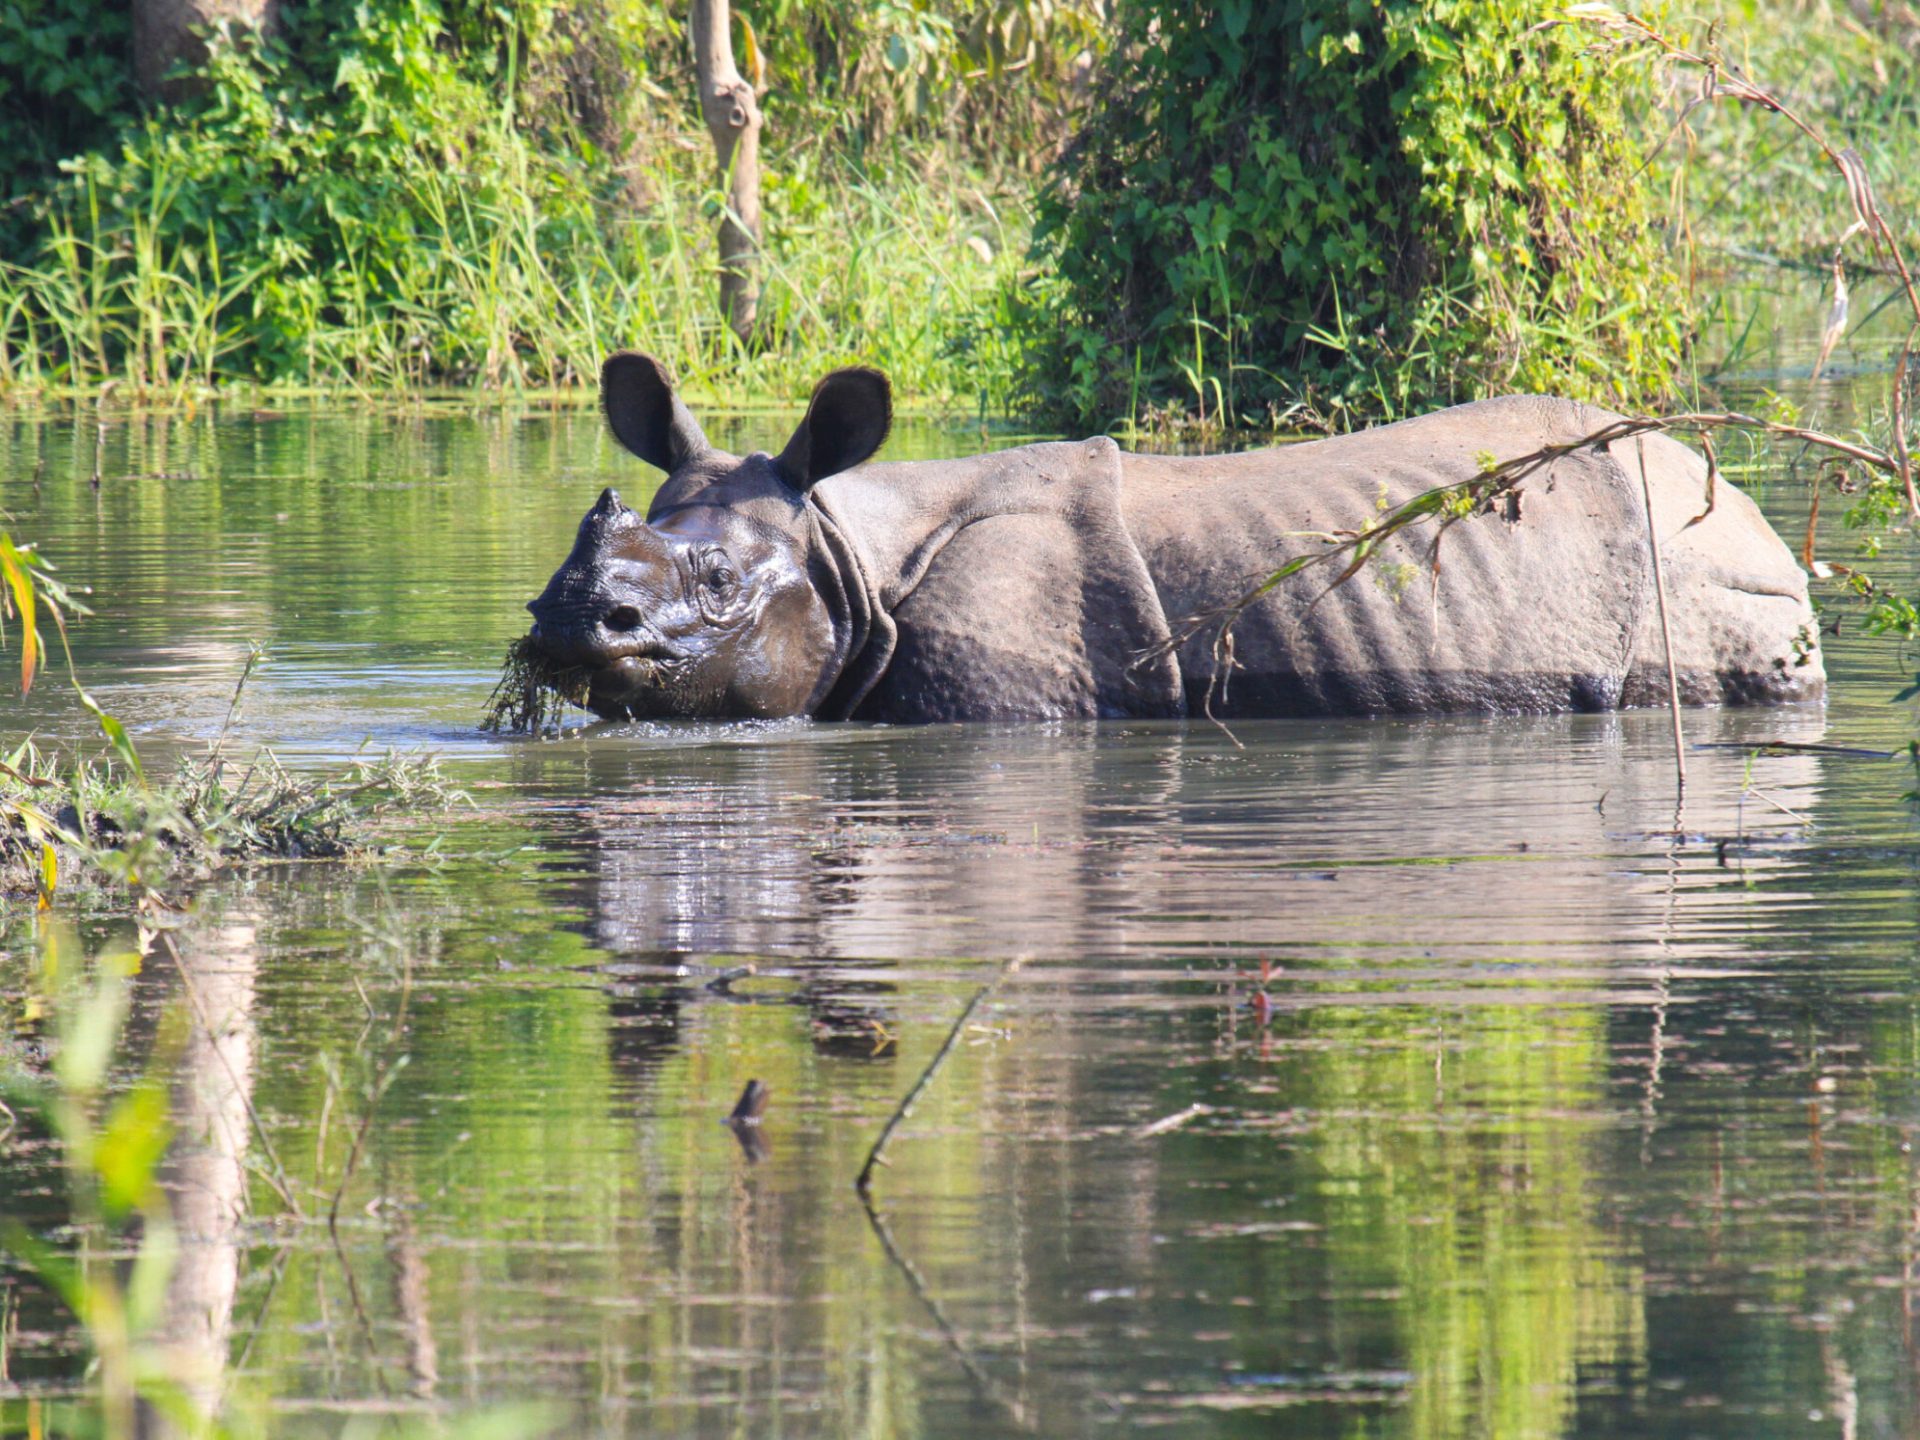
(155, 1325)
(1460, 1173)
(160, 1171)
(618, 1221)
(1409, 1220)
(1436, 1184)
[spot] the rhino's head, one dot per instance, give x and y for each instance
(715, 604)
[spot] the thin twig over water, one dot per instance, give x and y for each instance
(877, 1155)
(1666, 629)
(983, 1383)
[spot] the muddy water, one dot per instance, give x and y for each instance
(1562, 1113)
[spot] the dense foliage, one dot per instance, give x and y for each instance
(1365, 206)
(65, 77)
(414, 192)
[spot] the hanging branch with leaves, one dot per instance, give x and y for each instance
(1445, 506)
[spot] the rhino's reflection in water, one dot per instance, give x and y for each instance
(1445, 839)
(1494, 954)
(1531, 1116)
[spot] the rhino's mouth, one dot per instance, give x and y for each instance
(641, 653)
(648, 681)
(614, 639)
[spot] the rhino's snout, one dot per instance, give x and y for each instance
(597, 632)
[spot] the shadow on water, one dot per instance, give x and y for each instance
(1408, 1078)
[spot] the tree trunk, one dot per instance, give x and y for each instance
(164, 33)
(733, 120)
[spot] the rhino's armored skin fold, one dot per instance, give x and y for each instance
(1048, 581)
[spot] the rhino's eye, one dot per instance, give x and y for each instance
(719, 576)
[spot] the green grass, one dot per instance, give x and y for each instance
(1752, 186)
(533, 693)
(525, 281)
(485, 256)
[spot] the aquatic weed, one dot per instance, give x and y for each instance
(101, 822)
(533, 692)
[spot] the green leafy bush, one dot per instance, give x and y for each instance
(224, 233)
(65, 79)
(1368, 206)
(994, 74)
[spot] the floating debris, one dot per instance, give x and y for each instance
(1173, 1122)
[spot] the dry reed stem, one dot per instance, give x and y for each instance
(1721, 79)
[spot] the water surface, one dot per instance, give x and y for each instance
(1563, 1113)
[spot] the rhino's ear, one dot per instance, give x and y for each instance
(847, 421)
(646, 416)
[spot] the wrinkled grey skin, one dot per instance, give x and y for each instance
(1046, 581)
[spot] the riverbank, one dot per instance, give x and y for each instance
(468, 245)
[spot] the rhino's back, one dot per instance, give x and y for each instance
(1546, 604)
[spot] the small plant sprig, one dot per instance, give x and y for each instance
(106, 821)
(102, 823)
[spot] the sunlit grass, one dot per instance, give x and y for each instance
(102, 823)
(520, 278)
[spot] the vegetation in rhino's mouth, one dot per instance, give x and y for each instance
(534, 691)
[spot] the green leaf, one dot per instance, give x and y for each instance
(131, 1144)
(116, 734)
(14, 568)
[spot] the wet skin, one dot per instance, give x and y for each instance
(702, 612)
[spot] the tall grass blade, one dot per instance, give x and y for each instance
(14, 568)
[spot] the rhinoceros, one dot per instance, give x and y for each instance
(1073, 579)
